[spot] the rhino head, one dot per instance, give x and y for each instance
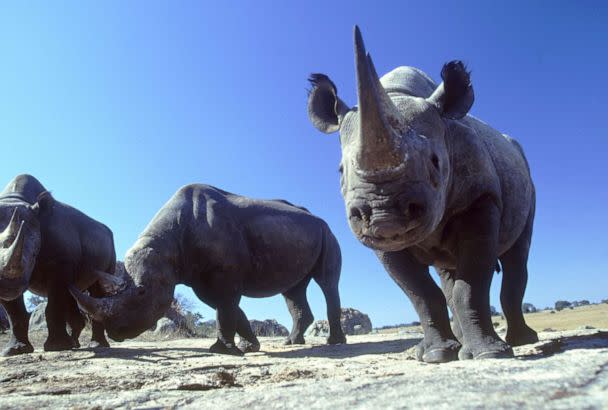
(395, 167)
(143, 300)
(20, 243)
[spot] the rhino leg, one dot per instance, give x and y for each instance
(98, 337)
(75, 321)
(447, 286)
(227, 314)
(514, 280)
(249, 342)
(439, 344)
(57, 309)
(19, 320)
(477, 243)
(300, 312)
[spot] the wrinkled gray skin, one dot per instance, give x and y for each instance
(45, 246)
(424, 184)
(225, 246)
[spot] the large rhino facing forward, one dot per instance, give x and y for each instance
(46, 246)
(425, 184)
(224, 246)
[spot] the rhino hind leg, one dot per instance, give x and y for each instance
(302, 317)
(98, 336)
(57, 310)
(76, 322)
(447, 286)
(249, 343)
(19, 320)
(514, 281)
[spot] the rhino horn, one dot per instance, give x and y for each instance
(381, 124)
(98, 309)
(110, 284)
(11, 257)
(7, 235)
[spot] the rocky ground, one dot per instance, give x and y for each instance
(565, 370)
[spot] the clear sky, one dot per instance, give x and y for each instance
(115, 105)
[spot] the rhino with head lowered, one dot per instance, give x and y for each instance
(425, 184)
(47, 246)
(225, 246)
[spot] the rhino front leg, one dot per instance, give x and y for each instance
(227, 313)
(439, 344)
(19, 320)
(76, 321)
(98, 337)
(477, 241)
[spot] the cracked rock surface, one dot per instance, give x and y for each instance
(564, 370)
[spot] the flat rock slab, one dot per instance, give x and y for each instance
(565, 370)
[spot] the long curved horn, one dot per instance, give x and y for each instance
(98, 309)
(11, 257)
(379, 120)
(110, 284)
(9, 231)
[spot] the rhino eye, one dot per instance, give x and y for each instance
(435, 161)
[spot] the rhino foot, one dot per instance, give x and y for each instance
(437, 352)
(494, 349)
(60, 343)
(299, 340)
(336, 340)
(15, 348)
(246, 346)
(99, 344)
(521, 336)
(225, 348)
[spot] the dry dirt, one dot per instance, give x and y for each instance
(567, 369)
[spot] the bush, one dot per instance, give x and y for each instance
(528, 308)
(562, 304)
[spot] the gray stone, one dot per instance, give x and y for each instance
(165, 326)
(353, 322)
(268, 327)
(38, 318)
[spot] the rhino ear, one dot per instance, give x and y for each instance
(44, 204)
(454, 96)
(325, 109)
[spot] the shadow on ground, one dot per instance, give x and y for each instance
(350, 349)
(562, 344)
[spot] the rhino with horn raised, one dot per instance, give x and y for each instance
(425, 184)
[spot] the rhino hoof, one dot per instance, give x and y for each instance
(17, 348)
(249, 347)
(441, 352)
(336, 340)
(225, 348)
(520, 337)
(96, 345)
(295, 341)
(58, 344)
(496, 351)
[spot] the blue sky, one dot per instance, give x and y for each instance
(115, 105)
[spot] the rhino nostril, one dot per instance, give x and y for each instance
(361, 212)
(355, 213)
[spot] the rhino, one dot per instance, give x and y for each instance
(425, 184)
(46, 246)
(224, 246)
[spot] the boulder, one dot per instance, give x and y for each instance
(38, 318)
(353, 322)
(268, 327)
(166, 327)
